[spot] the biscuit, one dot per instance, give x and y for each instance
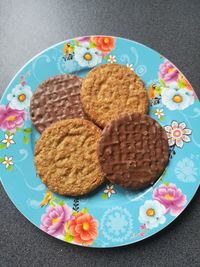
(56, 99)
(66, 157)
(133, 151)
(110, 90)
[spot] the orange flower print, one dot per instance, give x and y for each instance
(104, 43)
(83, 228)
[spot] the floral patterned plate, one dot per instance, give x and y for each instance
(112, 216)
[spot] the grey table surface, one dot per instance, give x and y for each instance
(28, 27)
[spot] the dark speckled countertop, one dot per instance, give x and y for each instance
(28, 27)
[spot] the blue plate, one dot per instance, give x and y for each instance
(112, 216)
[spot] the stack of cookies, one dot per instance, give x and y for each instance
(96, 128)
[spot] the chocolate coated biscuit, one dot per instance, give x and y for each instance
(133, 151)
(56, 99)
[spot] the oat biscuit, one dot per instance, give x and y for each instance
(110, 90)
(133, 151)
(56, 98)
(66, 157)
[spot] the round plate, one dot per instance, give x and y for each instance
(111, 216)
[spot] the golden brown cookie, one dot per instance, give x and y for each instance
(66, 157)
(110, 90)
(133, 150)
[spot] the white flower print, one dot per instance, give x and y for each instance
(8, 140)
(159, 113)
(112, 59)
(20, 97)
(152, 214)
(129, 66)
(109, 190)
(87, 57)
(7, 161)
(176, 99)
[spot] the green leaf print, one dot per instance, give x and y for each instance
(161, 118)
(106, 57)
(2, 146)
(8, 133)
(85, 210)
(61, 203)
(76, 42)
(17, 129)
(52, 204)
(104, 196)
(28, 130)
(181, 84)
(66, 227)
(9, 168)
(92, 44)
(68, 237)
(158, 90)
(1, 160)
(25, 140)
(162, 83)
(74, 213)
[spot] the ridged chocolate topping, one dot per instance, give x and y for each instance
(56, 99)
(133, 151)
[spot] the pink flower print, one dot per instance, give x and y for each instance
(23, 83)
(54, 219)
(10, 119)
(171, 197)
(143, 226)
(168, 72)
(83, 40)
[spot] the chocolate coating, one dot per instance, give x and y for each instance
(56, 99)
(133, 151)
